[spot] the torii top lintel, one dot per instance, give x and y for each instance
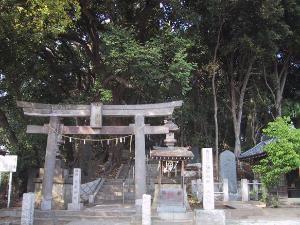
(147, 110)
(96, 111)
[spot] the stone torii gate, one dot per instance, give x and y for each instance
(95, 112)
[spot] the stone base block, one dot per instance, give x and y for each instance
(169, 216)
(169, 208)
(138, 206)
(46, 205)
(210, 217)
(75, 207)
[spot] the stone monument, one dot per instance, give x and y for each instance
(27, 209)
(228, 170)
(208, 179)
(76, 205)
(210, 215)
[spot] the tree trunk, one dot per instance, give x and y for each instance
(10, 134)
(278, 106)
(276, 87)
(238, 91)
(214, 69)
(237, 135)
(216, 124)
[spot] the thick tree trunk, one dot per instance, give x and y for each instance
(278, 106)
(237, 135)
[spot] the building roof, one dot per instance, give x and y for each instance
(255, 152)
(175, 153)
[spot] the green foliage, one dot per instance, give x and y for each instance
(41, 18)
(159, 63)
(291, 108)
(283, 153)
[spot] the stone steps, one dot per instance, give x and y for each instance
(112, 189)
(102, 213)
(105, 214)
(109, 188)
(118, 214)
(124, 171)
(118, 181)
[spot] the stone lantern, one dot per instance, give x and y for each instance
(170, 140)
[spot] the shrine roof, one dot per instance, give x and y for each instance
(174, 153)
(255, 152)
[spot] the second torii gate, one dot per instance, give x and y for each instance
(95, 112)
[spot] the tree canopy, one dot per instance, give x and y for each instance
(146, 51)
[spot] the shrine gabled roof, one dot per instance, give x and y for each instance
(255, 152)
(175, 153)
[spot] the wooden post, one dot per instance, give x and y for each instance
(182, 173)
(159, 175)
(49, 165)
(140, 157)
(9, 189)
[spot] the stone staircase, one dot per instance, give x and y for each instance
(105, 214)
(112, 191)
(112, 188)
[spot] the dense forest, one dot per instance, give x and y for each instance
(235, 64)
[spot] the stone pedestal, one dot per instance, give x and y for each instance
(27, 209)
(75, 207)
(209, 217)
(170, 198)
(225, 190)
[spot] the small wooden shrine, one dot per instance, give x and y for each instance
(170, 195)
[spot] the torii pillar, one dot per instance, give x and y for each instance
(49, 167)
(140, 159)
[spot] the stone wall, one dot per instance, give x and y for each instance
(61, 192)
